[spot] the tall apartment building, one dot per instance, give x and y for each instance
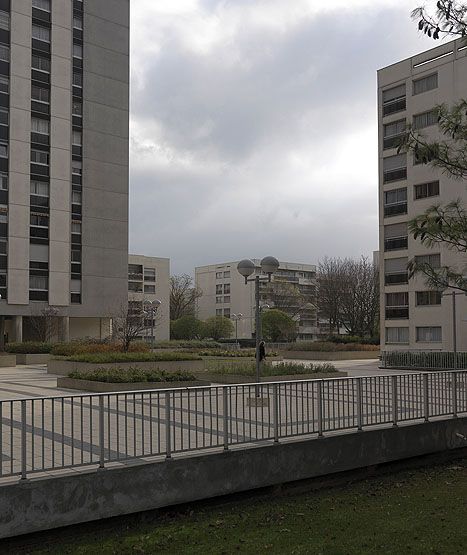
(225, 294)
(64, 92)
(414, 317)
(148, 281)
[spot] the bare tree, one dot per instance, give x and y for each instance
(45, 325)
(129, 324)
(330, 291)
(183, 296)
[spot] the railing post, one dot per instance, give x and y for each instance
(454, 394)
(23, 441)
(101, 432)
(394, 400)
(276, 412)
(426, 398)
(359, 405)
(320, 408)
(167, 426)
(225, 403)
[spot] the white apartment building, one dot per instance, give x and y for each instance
(412, 316)
(225, 294)
(149, 280)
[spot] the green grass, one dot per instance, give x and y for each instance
(417, 512)
(280, 369)
(103, 358)
(131, 375)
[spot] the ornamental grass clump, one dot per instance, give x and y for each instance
(131, 375)
(109, 358)
(280, 369)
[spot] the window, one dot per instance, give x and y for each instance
(395, 202)
(397, 305)
(393, 132)
(226, 299)
(4, 116)
(395, 271)
(41, 64)
(218, 275)
(150, 289)
(40, 188)
(149, 274)
(3, 217)
(420, 121)
(218, 300)
(77, 108)
(426, 190)
(3, 151)
(77, 138)
(40, 94)
(227, 274)
(3, 182)
(433, 260)
(425, 84)
(39, 253)
(40, 283)
(76, 256)
(76, 167)
(76, 227)
(429, 334)
(41, 5)
(76, 197)
(77, 79)
(218, 311)
(219, 289)
(4, 53)
(4, 84)
(136, 287)
(428, 298)
(77, 22)
(394, 100)
(4, 20)
(41, 33)
(394, 168)
(423, 158)
(77, 51)
(395, 236)
(40, 126)
(397, 335)
(40, 157)
(39, 220)
(226, 312)
(226, 288)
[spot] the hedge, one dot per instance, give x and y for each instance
(237, 353)
(132, 375)
(188, 344)
(281, 369)
(106, 358)
(328, 347)
(29, 348)
(82, 347)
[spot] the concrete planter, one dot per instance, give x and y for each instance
(237, 379)
(331, 355)
(104, 387)
(7, 360)
(65, 367)
(32, 358)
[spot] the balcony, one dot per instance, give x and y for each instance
(397, 312)
(395, 243)
(396, 278)
(395, 209)
(394, 106)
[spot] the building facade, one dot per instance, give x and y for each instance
(293, 290)
(148, 281)
(413, 317)
(64, 149)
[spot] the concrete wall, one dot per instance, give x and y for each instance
(51, 502)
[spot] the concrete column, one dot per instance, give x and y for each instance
(19, 329)
(65, 331)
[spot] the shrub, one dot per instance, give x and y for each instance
(234, 353)
(84, 347)
(281, 369)
(346, 339)
(29, 348)
(107, 358)
(188, 344)
(328, 347)
(186, 327)
(278, 326)
(132, 375)
(218, 327)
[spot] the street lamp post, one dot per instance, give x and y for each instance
(454, 294)
(236, 318)
(269, 266)
(151, 308)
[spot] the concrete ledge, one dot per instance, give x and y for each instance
(65, 367)
(7, 360)
(238, 379)
(104, 387)
(334, 355)
(32, 358)
(45, 503)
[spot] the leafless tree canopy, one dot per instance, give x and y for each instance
(129, 324)
(348, 295)
(45, 324)
(183, 296)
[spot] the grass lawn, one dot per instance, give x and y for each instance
(421, 511)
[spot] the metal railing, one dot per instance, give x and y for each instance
(421, 360)
(46, 434)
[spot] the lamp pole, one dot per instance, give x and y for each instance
(454, 294)
(236, 318)
(269, 266)
(151, 308)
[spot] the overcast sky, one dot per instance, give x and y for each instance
(253, 126)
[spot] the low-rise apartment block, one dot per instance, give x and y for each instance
(293, 290)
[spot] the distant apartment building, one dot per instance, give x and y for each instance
(225, 294)
(64, 91)
(413, 317)
(148, 281)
